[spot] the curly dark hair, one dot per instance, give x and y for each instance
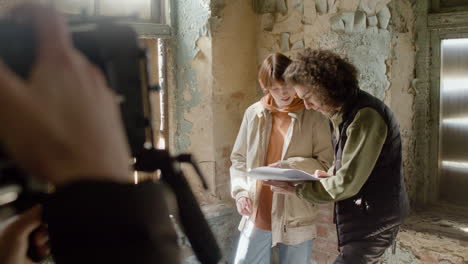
(332, 78)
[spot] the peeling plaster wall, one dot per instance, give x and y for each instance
(190, 95)
(215, 81)
(190, 20)
(215, 75)
(401, 95)
(234, 87)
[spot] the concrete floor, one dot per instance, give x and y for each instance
(437, 234)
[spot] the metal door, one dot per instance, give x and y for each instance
(453, 136)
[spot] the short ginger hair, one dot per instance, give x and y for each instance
(272, 70)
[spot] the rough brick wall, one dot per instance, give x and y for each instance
(325, 247)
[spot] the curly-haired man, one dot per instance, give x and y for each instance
(366, 181)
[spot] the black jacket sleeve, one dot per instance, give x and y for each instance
(102, 222)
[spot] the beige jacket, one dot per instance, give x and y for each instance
(307, 146)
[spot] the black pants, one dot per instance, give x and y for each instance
(367, 250)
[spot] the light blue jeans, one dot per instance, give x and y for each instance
(255, 248)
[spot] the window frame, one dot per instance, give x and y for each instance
(439, 6)
(155, 27)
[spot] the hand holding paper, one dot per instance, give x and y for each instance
(321, 174)
(281, 186)
(279, 174)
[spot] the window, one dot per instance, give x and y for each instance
(157, 75)
(144, 10)
(148, 18)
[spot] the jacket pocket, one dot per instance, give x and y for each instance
(299, 212)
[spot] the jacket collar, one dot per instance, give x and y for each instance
(260, 110)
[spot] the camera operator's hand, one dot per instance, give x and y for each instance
(14, 237)
(63, 123)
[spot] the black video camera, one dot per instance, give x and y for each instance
(114, 48)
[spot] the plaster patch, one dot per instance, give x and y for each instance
(298, 45)
(330, 5)
(384, 17)
(296, 4)
(372, 21)
(368, 53)
(188, 20)
(402, 94)
(349, 22)
(207, 168)
(263, 53)
(348, 5)
(280, 17)
(281, 6)
(267, 43)
(267, 21)
(313, 33)
(238, 95)
(295, 37)
(217, 6)
(187, 95)
(292, 23)
(402, 16)
(310, 13)
(199, 114)
(401, 76)
(321, 6)
(338, 24)
(359, 21)
(264, 6)
(284, 42)
(372, 30)
(372, 7)
(233, 86)
(324, 6)
(214, 24)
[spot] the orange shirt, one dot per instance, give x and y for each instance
(279, 127)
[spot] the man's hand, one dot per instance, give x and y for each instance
(275, 165)
(63, 123)
(14, 234)
(281, 187)
(321, 174)
(244, 206)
